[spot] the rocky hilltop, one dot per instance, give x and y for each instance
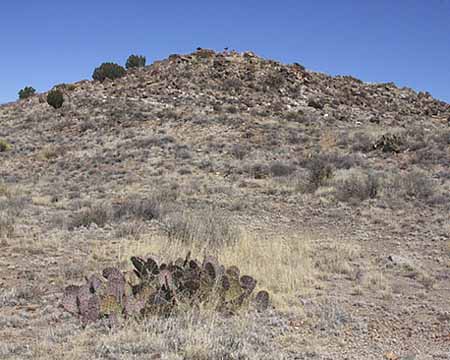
(332, 192)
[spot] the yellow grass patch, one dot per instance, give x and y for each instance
(282, 265)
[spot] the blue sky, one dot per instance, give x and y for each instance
(47, 42)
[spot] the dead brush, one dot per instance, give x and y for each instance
(7, 226)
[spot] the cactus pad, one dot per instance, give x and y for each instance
(95, 283)
(111, 271)
(262, 300)
(69, 301)
(152, 289)
(109, 305)
(233, 271)
(248, 283)
(92, 311)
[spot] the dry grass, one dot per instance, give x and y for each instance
(42, 200)
(210, 227)
(376, 281)
(281, 265)
(188, 336)
(7, 226)
(336, 258)
(50, 152)
(4, 190)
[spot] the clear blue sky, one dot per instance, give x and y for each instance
(47, 42)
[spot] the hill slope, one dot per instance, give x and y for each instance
(331, 191)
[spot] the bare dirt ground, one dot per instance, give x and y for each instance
(332, 193)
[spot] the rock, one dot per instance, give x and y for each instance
(401, 261)
(249, 54)
(316, 104)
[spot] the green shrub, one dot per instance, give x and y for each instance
(65, 87)
(108, 71)
(4, 146)
(55, 98)
(135, 61)
(26, 92)
(279, 169)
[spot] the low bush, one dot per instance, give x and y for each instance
(317, 104)
(26, 92)
(14, 204)
(296, 116)
(357, 187)
(4, 145)
(108, 70)
(55, 98)
(320, 171)
(98, 215)
(418, 185)
(432, 155)
(136, 208)
(279, 169)
(257, 170)
(239, 151)
(135, 61)
(65, 87)
(413, 186)
(131, 230)
(344, 161)
(362, 142)
(442, 138)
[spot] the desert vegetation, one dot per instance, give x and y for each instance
(135, 61)
(55, 98)
(108, 70)
(26, 92)
(330, 193)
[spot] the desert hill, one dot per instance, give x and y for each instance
(334, 193)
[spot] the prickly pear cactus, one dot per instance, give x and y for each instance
(390, 143)
(161, 289)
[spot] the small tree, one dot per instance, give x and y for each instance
(135, 61)
(108, 70)
(26, 92)
(55, 98)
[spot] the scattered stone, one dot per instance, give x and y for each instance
(400, 261)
